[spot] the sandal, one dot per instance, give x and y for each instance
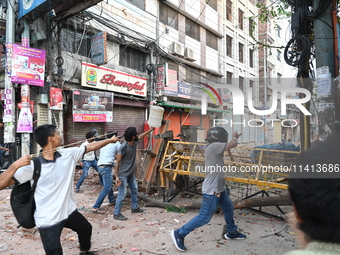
(98, 210)
(112, 204)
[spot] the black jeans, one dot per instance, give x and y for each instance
(50, 236)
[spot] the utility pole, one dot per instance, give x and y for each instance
(25, 137)
(9, 106)
(324, 54)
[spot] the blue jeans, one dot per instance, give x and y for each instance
(207, 210)
(131, 181)
(106, 173)
(87, 165)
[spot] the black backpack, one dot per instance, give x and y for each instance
(22, 199)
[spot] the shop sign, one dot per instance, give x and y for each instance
(99, 49)
(26, 6)
(92, 106)
(108, 79)
(28, 65)
(192, 92)
(171, 86)
(161, 78)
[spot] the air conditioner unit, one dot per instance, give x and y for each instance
(189, 54)
(176, 48)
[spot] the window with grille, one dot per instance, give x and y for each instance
(229, 46)
(132, 58)
(212, 4)
(240, 19)
(240, 52)
(229, 78)
(76, 42)
(229, 10)
(251, 27)
(278, 31)
(279, 76)
(168, 16)
(139, 3)
(211, 40)
(192, 29)
(251, 58)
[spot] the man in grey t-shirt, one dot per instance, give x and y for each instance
(125, 171)
(213, 190)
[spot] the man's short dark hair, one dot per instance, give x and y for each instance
(317, 200)
(129, 133)
(89, 135)
(42, 132)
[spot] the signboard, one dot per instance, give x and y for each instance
(192, 92)
(28, 65)
(56, 98)
(92, 106)
(161, 79)
(26, 6)
(99, 49)
(108, 79)
(170, 88)
(8, 114)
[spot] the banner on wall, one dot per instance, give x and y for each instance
(56, 98)
(92, 106)
(25, 120)
(170, 88)
(28, 65)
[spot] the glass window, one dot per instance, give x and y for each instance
(229, 11)
(229, 46)
(240, 52)
(251, 58)
(168, 16)
(211, 40)
(240, 19)
(192, 29)
(212, 4)
(139, 3)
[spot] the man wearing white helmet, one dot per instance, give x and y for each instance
(213, 189)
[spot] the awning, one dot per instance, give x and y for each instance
(187, 106)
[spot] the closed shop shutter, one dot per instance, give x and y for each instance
(75, 131)
(127, 116)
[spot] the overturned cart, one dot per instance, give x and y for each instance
(182, 169)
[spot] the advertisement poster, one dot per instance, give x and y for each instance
(92, 106)
(171, 86)
(25, 121)
(56, 98)
(28, 65)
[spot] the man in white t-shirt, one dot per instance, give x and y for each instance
(88, 160)
(54, 196)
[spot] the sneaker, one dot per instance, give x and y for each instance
(224, 231)
(178, 240)
(236, 235)
(119, 217)
(138, 210)
(87, 253)
(78, 191)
